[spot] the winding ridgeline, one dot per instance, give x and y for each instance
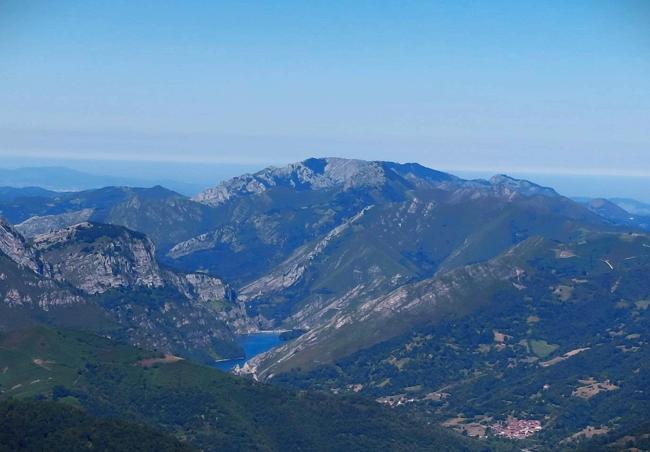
(457, 302)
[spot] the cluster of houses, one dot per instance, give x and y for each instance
(516, 428)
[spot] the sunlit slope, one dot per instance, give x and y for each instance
(548, 331)
(598, 266)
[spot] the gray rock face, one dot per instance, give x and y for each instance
(223, 235)
(24, 279)
(96, 264)
(14, 245)
(43, 294)
(22, 288)
(509, 187)
(314, 174)
(96, 258)
(292, 270)
(114, 271)
(48, 223)
(346, 174)
(200, 287)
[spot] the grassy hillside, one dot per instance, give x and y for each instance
(564, 341)
(204, 406)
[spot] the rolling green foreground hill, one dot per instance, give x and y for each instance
(37, 425)
(199, 405)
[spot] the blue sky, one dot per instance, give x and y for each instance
(554, 87)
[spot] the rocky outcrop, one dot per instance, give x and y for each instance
(20, 287)
(509, 187)
(200, 287)
(115, 271)
(96, 258)
(16, 248)
(24, 279)
(345, 174)
(291, 271)
(224, 235)
(312, 174)
(48, 223)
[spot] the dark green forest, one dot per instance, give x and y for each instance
(200, 405)
(38, 425)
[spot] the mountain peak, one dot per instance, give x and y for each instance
(609, 210)
(331, 171)
(511, 186)
(322, 174)
(310, 174)
(345, 174)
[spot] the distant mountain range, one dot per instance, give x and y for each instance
(627, 212)
(632, 206)
(382, 270)
(56, 178)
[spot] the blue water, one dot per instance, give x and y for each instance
(253, 344)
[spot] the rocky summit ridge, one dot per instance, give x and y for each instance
(347, 174)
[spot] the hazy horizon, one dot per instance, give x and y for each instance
(192, 177)
(503, 86)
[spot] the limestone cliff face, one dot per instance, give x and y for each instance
(47, 223)
(24, 278)
(115, 270)
(290, 272)
(347, 174)
(221, 236)
(201, 287)
(96, 258)
(314, 174)
(16, 248)
(22, 288)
